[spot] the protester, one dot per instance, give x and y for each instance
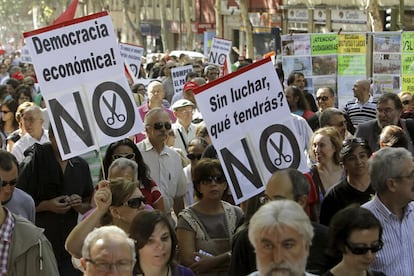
(297, 102)
(164, 163)
(281, 234)
(117, 202)
(8, 123)
(107, 249)
(392, 176)
(326, 146)
(183, 128)
(364, 107)
(355, 234)
(205, 229)
(156, 245)
(125, 148)
(389, 108)
(298, 79)
(355, 187)
(393, 136)
(61, 190)
(14, 199)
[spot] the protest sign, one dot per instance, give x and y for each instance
(132, 55)
(178, 77)
(250, 125)
(219, 51)
(25, 55)
(81, 74)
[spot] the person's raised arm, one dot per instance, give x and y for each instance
(103, 199)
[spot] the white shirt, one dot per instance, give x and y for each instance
(186, 135)
(166, 171)
(25, 142)
(189, 195)
(397, 255)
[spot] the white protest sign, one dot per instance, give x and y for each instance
(132, 55)
(178, 77)
(25, 55)
(251, 127)
(219, 51)
(81, 72)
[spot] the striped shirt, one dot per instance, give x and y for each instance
(397, 255)
(6, 232)
(360, 113)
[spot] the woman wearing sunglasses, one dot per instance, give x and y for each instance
(156, 245)
(117, 203)
(125, 148)
(205, 229)
(355, 233)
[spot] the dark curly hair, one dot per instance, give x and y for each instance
(143, 171)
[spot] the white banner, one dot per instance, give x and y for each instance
(219, 51)
(133, 58)
(178, 76)
(81, 72)
(250, 125)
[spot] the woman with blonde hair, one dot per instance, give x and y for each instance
(326, 144)
(393, 136)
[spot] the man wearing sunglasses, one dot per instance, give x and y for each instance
(163, 162)
(325, 98)
(392, 176)
(13, 198)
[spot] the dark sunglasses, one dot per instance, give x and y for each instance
(11, 183)
(159, 125)
(135, 203)
(216, 178)
(193, 156)
(125, 155)
(406, 102)
(357, 140)
(322, 98)
(358, 250)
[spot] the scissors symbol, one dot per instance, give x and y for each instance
(112, 108)
(286, 157)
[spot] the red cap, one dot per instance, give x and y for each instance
(190, 85)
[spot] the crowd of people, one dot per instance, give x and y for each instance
(160, 203)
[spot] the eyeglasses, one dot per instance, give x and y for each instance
(193, 156)
(120, 266)
(361, 250)
(124, 155)
(159, 125)
(5, 111)
(12, 182)
(357, 140)
(387, 110)
(216, 178)
(136, 202)
(409, 176)
(322, 98)
(406, 102)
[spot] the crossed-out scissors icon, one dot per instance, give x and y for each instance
(111, 120)
(286, 157)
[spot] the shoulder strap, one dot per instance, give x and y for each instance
(191, 217)
(317, 180)
(182, 139)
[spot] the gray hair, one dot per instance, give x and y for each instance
(106, 233)
(35, 109)
(386, 163)
(280, 213)
(123, 164)
(151, 113)
(326, 116)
